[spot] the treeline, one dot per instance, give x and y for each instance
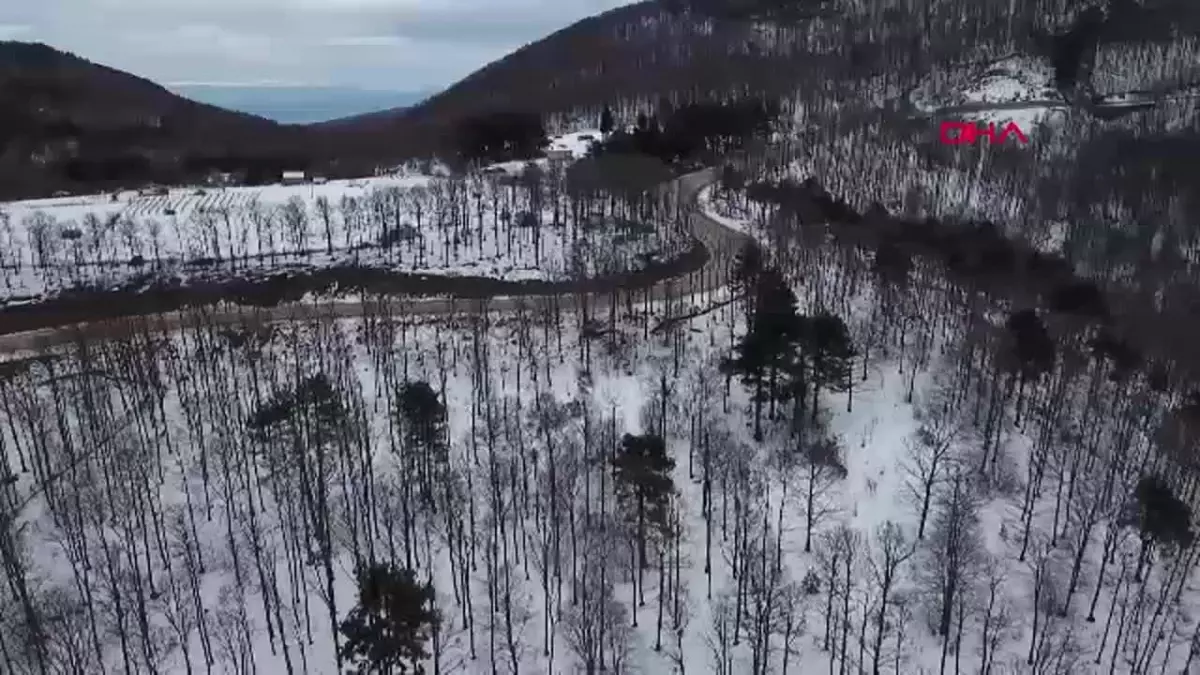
(691, 133)
(975, 255)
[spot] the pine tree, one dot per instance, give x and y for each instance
(1163, 518)
(829, 352)
(606, 121)
(386, 633)
(747, 266)
(643, 470)
(766, 357)
(423, 419)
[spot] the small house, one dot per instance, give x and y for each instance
(221, 179)
(293, 178)
(559, 155)
(320, 180)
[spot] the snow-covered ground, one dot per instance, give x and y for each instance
(576, 143)
(1005, 84)
(460, 226)
(729, 213)
(193, 515)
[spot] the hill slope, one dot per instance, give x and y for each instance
(65, 121)
(62, 117)
(644, 51)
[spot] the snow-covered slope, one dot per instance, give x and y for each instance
(528, 544)
(1016, 88)
(404, 222)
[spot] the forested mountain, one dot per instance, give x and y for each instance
(67, 122)
(641, 55)
(634, 58)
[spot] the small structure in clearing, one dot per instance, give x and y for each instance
(293, 178)
(559, 155)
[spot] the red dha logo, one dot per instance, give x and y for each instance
(961, 133)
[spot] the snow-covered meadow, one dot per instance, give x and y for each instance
(1007, 84)
(492, 224)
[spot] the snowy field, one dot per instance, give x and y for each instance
(477, 225)
(197, 540)
(1006, 84)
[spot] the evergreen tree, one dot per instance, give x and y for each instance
(746, 268)
(606, 121)
(643, 470)
(1163, 517)
(766, 355)
(829, 352)
(1033, 348)
(732, 180)
(422, 418)
(386, 633)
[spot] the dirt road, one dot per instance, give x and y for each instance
(721, 243)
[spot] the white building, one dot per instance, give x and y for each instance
(293, 178)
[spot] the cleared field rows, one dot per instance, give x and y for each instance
(184, 205)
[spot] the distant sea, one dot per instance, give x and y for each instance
(299, 105)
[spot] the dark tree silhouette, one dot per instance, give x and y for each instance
(766, 356)
(315, 393)
(500, 136)
(1163, 517)
(643, 470)
(747, 266)
(731, 178)
(386, 633)
(1032, 346)
(829, 352)
(423, 419)
(606, 121)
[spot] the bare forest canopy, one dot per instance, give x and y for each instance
(941, 414)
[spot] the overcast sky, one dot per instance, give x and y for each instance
(402, 45)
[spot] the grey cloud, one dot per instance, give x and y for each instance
(385, 44)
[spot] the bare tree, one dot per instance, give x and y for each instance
(817, 478)
(325, 212)
(931, 452)
(720, 637)
(890, 552)
(294, 214)
(596, 624)
(839, 555)
(995, 612)
(952, 554)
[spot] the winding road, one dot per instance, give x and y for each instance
(721, 242)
